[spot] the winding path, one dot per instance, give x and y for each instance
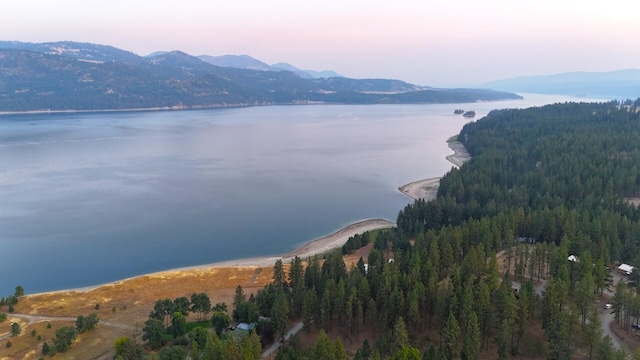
(34, 319)
(294, 330)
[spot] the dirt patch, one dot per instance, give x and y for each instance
(635, 201)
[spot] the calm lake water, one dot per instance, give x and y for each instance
(93, 198)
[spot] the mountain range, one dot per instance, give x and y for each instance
(247, 62)
(64, 76)
(620, 84)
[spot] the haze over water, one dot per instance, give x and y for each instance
(93, 198)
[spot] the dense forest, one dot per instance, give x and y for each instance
(480, 272)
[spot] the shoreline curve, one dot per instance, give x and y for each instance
(426, 189)
(314, 247)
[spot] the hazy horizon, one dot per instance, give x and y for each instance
(453, 44)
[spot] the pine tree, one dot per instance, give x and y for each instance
(279, 277)
(309, 310)
(559, 335)
(250, 346)
(340, 353)
(606, 350)
(280, 314)
(239, 296)
(591, 331)
(372, 315)
(450, 334)
(323, 348)
(400, 335)
(471, 340)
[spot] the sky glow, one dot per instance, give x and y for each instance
(437, 43)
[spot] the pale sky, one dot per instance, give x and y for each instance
(425, 42)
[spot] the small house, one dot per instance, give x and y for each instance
(625, 269)
(245, 327)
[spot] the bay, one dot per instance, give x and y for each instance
(90, 198)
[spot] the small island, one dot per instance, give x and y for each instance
(458, 111)
(469, 114)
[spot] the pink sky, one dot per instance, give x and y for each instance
(461, 42)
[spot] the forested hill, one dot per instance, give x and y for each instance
(77, 76)
(554, 172)
(544, 183)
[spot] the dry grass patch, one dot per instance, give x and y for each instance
(127, 304)
(126, 295)
(25, 346)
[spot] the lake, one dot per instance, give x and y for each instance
(97, 197)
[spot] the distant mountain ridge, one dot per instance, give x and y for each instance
(76, 50)
(314, 74)
(64, 76)
(612, 84)
(237, 61)
(248, 62)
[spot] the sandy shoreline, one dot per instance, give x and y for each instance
(427, 189)
(460, 153)
(318, 246)
(422, 189)
(315, 247)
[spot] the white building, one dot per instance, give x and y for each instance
(625, 269)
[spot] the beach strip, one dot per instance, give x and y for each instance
(318, 246)
(427, 189)
(321, 245)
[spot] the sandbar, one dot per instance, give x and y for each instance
(427, 189)
(315, 247)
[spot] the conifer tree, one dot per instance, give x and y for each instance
(280, 314)
(400, 335)
(591, 331)
(450, 335)
(471, 339)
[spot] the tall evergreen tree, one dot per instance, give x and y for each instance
(591, 331)
(450, 335)
(471, 339)
(280, 314)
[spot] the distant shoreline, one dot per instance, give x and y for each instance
(424, 189)
(214, 107)
(161, 108)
